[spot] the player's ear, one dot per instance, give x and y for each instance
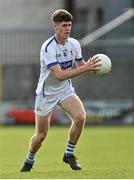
(54, 25)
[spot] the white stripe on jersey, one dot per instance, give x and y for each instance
(51, 54)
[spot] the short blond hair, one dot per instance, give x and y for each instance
(61, 15)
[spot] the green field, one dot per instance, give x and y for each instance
(103, 152)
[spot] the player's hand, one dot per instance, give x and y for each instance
(93, 64)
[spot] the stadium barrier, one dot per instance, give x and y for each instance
(102, 112)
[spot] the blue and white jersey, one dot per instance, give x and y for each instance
(51, 54)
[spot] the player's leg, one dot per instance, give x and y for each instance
(42, 124)
(75, 109)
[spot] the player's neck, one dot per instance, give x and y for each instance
(60, 40)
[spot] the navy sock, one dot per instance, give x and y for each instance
(30, 158)
(70, 148)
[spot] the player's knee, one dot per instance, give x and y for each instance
(80, 119)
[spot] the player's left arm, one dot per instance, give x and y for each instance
(79, 60)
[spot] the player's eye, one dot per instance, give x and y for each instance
(66, 25)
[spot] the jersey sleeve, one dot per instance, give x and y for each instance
(78, 56)
(49, 57)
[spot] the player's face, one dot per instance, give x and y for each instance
(63, 29)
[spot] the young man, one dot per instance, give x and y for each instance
(57, 56)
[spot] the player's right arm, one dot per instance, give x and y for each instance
(91, 65)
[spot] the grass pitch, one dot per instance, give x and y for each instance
(104, 153)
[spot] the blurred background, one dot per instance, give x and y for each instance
(101, 26)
